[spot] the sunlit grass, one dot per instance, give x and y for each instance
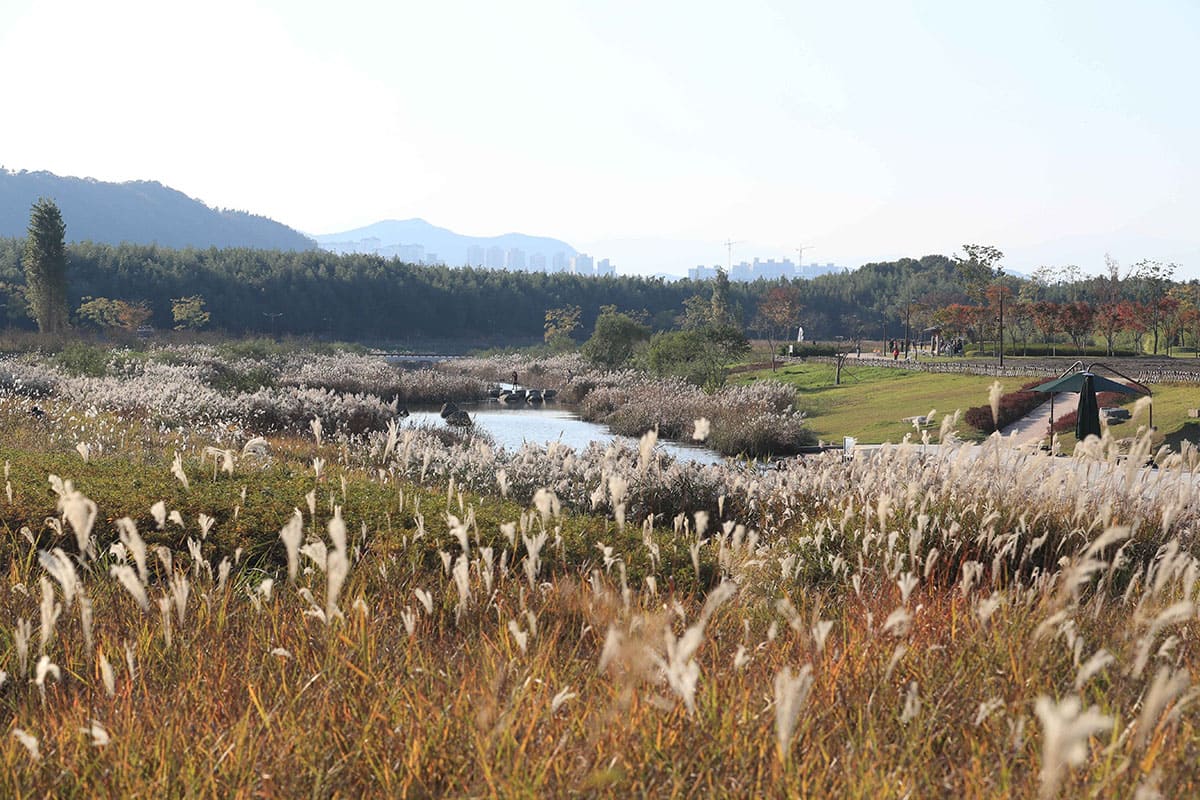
(970, 623)
(872, 402)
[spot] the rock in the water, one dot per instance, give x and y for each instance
(460, 418)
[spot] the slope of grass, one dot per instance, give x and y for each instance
(872, 401)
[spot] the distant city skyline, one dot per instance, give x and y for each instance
(513, 259)
(649, 133)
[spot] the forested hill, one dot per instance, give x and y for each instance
(142, 212)
(363, 297)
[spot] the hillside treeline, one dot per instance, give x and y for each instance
(345, 296)
(363, 297)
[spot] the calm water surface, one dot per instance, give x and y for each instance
(513, 427)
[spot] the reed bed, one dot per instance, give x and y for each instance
(754, 421)
(392, 614)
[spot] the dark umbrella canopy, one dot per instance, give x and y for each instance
(1087, 422)
(1074, 383)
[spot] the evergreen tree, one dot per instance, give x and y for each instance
(45, 262)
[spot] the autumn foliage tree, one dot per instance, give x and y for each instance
(189, 313)
(777, 313)
(1076, 320)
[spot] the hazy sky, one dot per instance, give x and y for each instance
(649, 132)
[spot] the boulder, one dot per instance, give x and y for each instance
(460, 418)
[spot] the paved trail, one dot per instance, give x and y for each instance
(1030, 429)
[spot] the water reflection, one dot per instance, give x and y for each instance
(513, 427)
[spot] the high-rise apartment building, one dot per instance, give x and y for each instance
(582, 264)
(514, 260)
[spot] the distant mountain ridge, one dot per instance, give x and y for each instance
(399, 238)
(141, 212)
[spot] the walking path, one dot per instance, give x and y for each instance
(1031, 429)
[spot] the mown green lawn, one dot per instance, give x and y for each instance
(1171, 404)
(872, 401)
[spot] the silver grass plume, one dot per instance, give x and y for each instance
(61, 568)
(106, 674)
(80, 514)
(292, 534)
(51, 610)
(177, 470)
(1066, 730)
(29, 742)
(791, 692)
(134, 543)
(129, 579)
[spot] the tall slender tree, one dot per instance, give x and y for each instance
(45, 263)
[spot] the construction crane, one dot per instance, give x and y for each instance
(729, 243)
(800, 256)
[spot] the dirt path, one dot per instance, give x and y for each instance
(1030, 429)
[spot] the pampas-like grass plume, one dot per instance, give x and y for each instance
(51, 610)
(1166, 686)
(159, 512)
(45, 669)
(1066, 728)
(292, 534)
(134, 544)
(79, 512)
(62, 569)
(106, 675)
(995, 391)
(97, 733)
(791, 692)
(177, 470)
(21, 635)
(29, 742)
(129, 579)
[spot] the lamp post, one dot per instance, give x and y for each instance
(1000, 322)
(274, 316)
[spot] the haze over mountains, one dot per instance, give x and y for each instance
(141, 212)
(147, 212)
(417, 241)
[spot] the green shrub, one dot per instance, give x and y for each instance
(80, 358)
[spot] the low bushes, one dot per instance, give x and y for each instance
(1013, 406)
(1067, 421)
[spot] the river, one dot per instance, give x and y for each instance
(512, 427)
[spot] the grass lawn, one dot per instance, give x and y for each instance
(872, 401)
(1171, 404)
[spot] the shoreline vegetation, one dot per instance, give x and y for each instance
(203, 598)
(753, 421)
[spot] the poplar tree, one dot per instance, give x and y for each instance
(45, 262)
